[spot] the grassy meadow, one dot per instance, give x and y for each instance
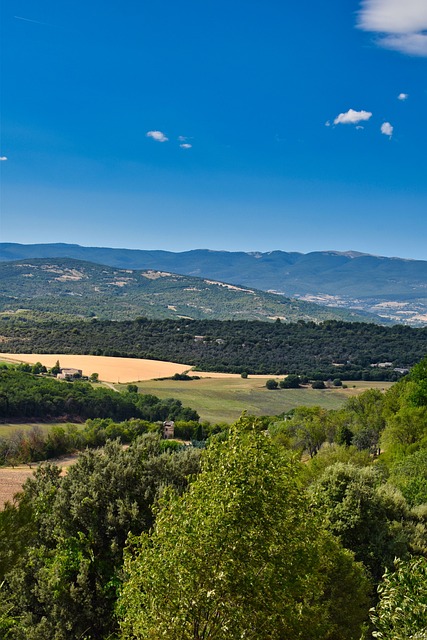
(6, 428)
(224, 399)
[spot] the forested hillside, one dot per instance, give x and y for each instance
(327, 350)
(84, 289)
(393, 288)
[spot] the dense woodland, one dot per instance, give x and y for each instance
(320, 351)
(24, 396)
(196, 544)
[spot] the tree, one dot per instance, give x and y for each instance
(55, 369)
(290, 382)
(401, 612)
(410, 476)
(271, 384)
(64, 583)
(368, 519)
(307, 429)
(318, 384)
(239, 555)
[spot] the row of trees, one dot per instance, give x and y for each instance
(34, 445)
(321, 351)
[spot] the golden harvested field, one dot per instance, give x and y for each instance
(114, 370)
(109, 369)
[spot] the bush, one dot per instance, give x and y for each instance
(290, 382)
(318, 384)
(271, 384)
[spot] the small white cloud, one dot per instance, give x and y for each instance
(185, 145)
(159, 136)
(327, 123)
(401, 24)
(182, 138)
(387, 129)
(3, 158)
(403, 96)
(352, 117)
(359, 127)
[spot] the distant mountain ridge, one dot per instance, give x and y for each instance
(66, 286)
(394, 288)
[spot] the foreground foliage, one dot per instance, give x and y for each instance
(240, 556)
(62, 579)
(402, 610)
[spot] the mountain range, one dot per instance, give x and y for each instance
(393, 289)
(65, 286)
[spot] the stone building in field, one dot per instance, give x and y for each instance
(69, 374)
(168, 429)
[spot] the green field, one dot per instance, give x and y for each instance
(224, 399)
(6, 428)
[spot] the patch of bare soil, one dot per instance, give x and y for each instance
(13, 478)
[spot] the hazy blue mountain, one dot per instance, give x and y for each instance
(392, 287)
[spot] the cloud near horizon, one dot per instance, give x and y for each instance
(402, 25)
(352, 117)
(159, 136)
(387, 129)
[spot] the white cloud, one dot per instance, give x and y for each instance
(387, 129)
(414, 44)
(3, 158)
(401, 24)
(403, 96)
(182, 138)
(185, 145)
(352, 117)
(159, 136)
(327, 123)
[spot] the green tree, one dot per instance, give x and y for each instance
(290, 382)
(271, 384)
(238, 556)
(55, 369)
(410, 476)
(318, 384)
(307, 429)
(64, 583)
(368, 518)
(401, 612)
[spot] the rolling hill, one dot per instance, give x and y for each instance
(393, 288)
(75, 287)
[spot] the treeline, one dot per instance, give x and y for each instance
(35, 445)
(320, 351)
(25, 396)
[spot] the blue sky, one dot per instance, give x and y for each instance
(241, 125)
